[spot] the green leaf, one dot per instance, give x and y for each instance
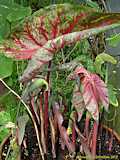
(112, 96)
(18, 14)
(100, 59)
(90, 65)
(11, 12)
(3, 134)
(4, 119)
(4, 28)
(92, 4)
(114, 40)
(6, 66)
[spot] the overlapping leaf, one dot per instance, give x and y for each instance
(51, 29)
(94, 91)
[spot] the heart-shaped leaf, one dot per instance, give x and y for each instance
(57, 26)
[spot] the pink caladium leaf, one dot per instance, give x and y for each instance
(50, 29)
(94, 91)
(44, 25)
(63, 132)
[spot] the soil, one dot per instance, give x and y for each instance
(108, 147)
(31, 152)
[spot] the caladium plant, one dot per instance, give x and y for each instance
(43, 35)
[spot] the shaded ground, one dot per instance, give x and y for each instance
(108, 147)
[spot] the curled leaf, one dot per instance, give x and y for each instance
(112, 96)
(34, 88)
(100, 59)
(114, 40)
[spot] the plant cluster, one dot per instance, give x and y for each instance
(64, 81)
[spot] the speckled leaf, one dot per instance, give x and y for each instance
(78, 102)
(52, 46)
(57, 26)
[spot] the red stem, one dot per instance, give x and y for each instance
(42, 125)
(46, 100)
(46, 112)
(110, 143)
(73, 134)
(94, 139)
(73, 128)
